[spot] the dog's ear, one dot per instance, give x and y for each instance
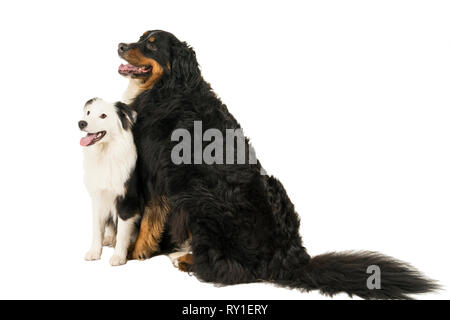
(91, 101)
(184, 68)
(126, 115)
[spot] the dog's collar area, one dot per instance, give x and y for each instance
(92, 138)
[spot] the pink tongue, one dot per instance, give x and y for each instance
(85, 141)
(127, 68)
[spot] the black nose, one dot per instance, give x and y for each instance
(82, 124)
(123, 47)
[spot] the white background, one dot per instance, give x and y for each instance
(346, 102)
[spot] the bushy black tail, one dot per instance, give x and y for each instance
(347, 272)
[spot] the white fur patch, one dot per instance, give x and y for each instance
(133, 90)
(184, 249)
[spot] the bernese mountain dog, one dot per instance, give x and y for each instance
(238, 223)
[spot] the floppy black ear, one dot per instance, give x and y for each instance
(184, 70)
(126, 115)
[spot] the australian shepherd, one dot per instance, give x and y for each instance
(109, 162)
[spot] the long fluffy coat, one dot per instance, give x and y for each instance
(243, 226)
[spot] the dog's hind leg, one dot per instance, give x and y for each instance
(221, 251)
(214, 260)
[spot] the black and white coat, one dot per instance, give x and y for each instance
(109, 161)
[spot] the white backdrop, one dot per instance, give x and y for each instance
(347, 103)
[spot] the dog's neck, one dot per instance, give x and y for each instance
(108, 165)
(133, 90)
(120, 147)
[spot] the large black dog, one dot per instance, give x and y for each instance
(240, 224)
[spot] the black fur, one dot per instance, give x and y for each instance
(244, 227)
(336, 272)
(90, 101)
(132, 203)
(125, 115)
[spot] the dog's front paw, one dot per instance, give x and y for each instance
(93, 254)
(118, 260)
(140, 251)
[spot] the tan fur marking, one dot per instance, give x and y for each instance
(185, 262)
(152, 227)
(136, 58)
(151, 39)
(157, 72)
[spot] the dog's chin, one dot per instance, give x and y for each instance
(92, 138)
(135, 72)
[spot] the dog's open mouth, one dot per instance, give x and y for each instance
(92, 138)
(131, 70)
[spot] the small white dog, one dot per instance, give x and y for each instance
(109, 161)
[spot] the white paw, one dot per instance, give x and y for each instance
(117, 260)
(93, 254)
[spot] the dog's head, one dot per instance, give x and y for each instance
(159, 56)
(104, 121)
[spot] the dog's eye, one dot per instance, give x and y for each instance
(151, 46)
(88, 112)
(103, 116)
